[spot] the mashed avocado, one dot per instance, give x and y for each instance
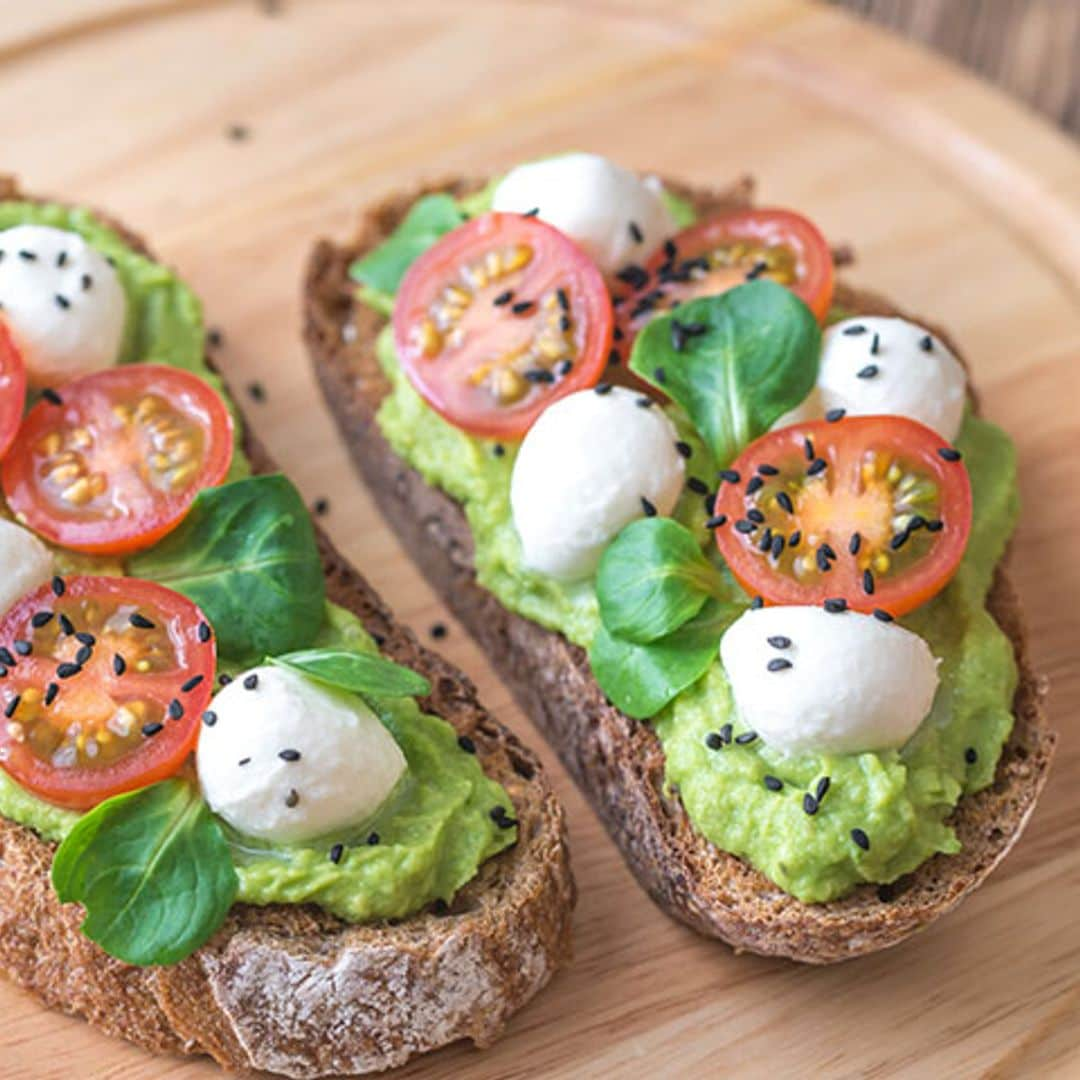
(436, 830)
(900, 799)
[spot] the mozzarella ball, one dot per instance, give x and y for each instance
(875, 365)
(807, 680)
(289, 760)
(601, 205)
(581, 475)
(62, 302)
(25, 563)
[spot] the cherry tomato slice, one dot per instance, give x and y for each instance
(104, 683)
(873, 511)
(12, 390)
(500, 318)
(719, 253)
(112, 462)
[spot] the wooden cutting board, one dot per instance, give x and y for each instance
(959, 204)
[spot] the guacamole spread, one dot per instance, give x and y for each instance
(437, 828)
(901, 799)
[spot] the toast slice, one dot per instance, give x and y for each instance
(619, 762)
(292, 989)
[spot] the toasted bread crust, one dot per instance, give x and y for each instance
(291, 989)
(618, 762)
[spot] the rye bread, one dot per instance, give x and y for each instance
(291, 989)
(618, 762)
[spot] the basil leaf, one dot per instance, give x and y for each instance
(651, 579)
(641, 679)
(361, 673)
(756, 358)
(430, 218)
(153, 870)
(246, 554)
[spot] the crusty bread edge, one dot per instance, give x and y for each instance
(616, 761)
(290, 989)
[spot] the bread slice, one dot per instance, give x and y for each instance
(291, 989)
(619, 762)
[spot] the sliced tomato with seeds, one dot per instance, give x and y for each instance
(103, 683)
(717, 254)
(871, 510)
(112, 461)
(500, 318)
(12, 390)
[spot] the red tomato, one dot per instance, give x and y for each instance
(500, 318)
(112, 463)
(719, 253)
(12, 390)
(104, 681)
(871, 510)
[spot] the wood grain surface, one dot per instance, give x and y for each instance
(958, 203)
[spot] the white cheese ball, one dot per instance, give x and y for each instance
(582, 472)
(840, 684)
(909, 373)
(292, 760)
(25, 563)
(601, 205)
(62, 302)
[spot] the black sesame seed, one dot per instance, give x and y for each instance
(85, 638)
(67, 670)
(713, 741)
(58, 586)
(635, 232)
(251, 681)
(602, 388)
(644, 402)
(971, 755)
(647, 507)
(773, 783)
(503, 298)
(12, 705)
(778, 663)
(3, 672)
(140, 621)
(754, 485)
(190, 685)
(868, 583)
(257, 392)
(757, 270)
(808, 448)
(53, 398)
(745, 738)
(927, 344)
(816, 466)
(215, 338)
(50, 693)
(244, 761)
(697, 485)
(854, 543)
(532, 213)
(783, 500)
(28, 256)
(861, 839)
(466, 744)
(670, 250)
(809, 804)
(679, 336)
(83, 654)
(725, 733)
(24, 648)
(65, 624)
(778, 641)
(765, 540)
(564, 323)
(40, 619)
(224, 679)
(744, 526)
(499, 450)
(768, 470)
(289, 755)
(176, 710)
(336, 852)
(730, 475)
(617, 334)
(874, 345)
(373, 839)
(716, 521)
(564, 300)
(851, 331)
(152, 729)
(684, 448)
(949, 453)
(7, 657)
(917, 522)
(833, 415)
(321, 506)
(613, 358)
(822, 788)
(867, 372)
(660, 375)
(899, 540)
(823, 563)
(539, 375)
(238, 132)
(522, 307)
(828, 549)
(438, 631)
(62, 301)
(835, 605)
(292, 799)
(209, 718)
(756, 603)
(882, 615)
(755, 515)
(935, 525)
(634, 276)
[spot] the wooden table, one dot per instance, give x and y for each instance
(959, 205)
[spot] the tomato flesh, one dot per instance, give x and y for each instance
(715, 255)
(104, 681)
(500, 318)
(12, 390)
(870, 510)
(111, 462)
